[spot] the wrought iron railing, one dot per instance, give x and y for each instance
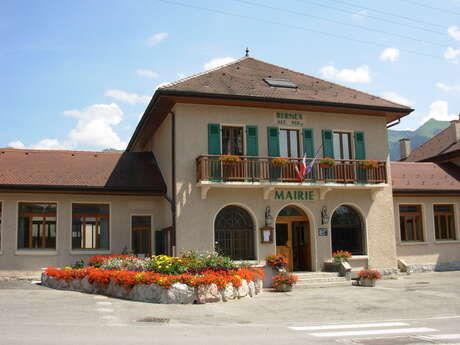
(265, 169)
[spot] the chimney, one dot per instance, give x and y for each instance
(455, 125)
(404, 148)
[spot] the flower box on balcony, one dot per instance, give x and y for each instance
(369, 164)
(327, 163)
(229, 159)
(280, 162)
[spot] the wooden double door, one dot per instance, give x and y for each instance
(293, 240)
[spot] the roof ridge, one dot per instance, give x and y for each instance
(204, 72)
(332, 83)
(3, 149)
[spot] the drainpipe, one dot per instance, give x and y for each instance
(173, 182)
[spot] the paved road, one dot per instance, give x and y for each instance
(416, 309)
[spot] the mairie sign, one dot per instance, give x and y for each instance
(294, 195)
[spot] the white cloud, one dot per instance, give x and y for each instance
(181, 75)
(162, 84)
(439, 110)
(358, 75)
(445, 87)
(157, 38)
(16, 144)
(94, 126)
(390, 54)
(454, 32)
(214, 63)
(397, 98)
(131, 98)
(360, 14)
(51, 144)
(452, 54)
(147, 73)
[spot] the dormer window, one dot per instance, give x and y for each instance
(280, 83)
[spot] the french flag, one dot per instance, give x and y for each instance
(302, 168)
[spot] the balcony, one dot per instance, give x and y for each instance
(262, 172)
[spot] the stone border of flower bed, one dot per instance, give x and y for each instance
(177, 293)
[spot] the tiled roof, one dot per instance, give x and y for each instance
(245, 77)
(80, 170)
(442, 143)
(425, 177)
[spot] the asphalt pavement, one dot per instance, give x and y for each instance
(415, 309)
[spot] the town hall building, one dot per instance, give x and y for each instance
(235, 159)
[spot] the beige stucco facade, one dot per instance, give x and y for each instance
(121, 210)
(196, 214)
(430, 251)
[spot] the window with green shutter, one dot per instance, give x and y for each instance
(308, 146)
(360, 154)
(214, 149)
(328, 145)
(273, 150)
(252, 144)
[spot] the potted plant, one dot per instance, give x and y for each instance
(341, 255)
(280, 161)
(327, 163)
(284, 281)
(369, 164)
(228, 159)
(368, 277)
(277, 261)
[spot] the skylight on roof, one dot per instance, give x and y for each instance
(280, 83)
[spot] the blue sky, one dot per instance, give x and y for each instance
(78, 74)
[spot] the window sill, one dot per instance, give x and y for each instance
(90, 252)
(413, 243)
(35, 252)
(447, 242)
(358, 257)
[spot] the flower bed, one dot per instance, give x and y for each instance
(160, 279)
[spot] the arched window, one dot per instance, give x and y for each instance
(234, 233)
(347, 230)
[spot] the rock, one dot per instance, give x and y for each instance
(243, 290)
(259, 284)
(228, 293)
(52, 282)
(207, 294)
(75, 285)
(178, 294)
(251, 289)
(87, 286)
(119, 291)
(146, 293)
(63, 285)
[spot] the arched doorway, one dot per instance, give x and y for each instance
(347, 230)
(293, 238)
(234, 233)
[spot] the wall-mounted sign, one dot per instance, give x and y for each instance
(294, 195)
(322, 231)
(289, 119)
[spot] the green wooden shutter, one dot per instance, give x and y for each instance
(252, 149)
(252, 144)
(273, 137)
(273, 141)
(360, 148)
(360, 154)
(309, 150)
(213, 139)
(214, 149)
(308, 146)
(328, 145)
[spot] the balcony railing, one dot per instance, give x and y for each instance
(262, 169)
